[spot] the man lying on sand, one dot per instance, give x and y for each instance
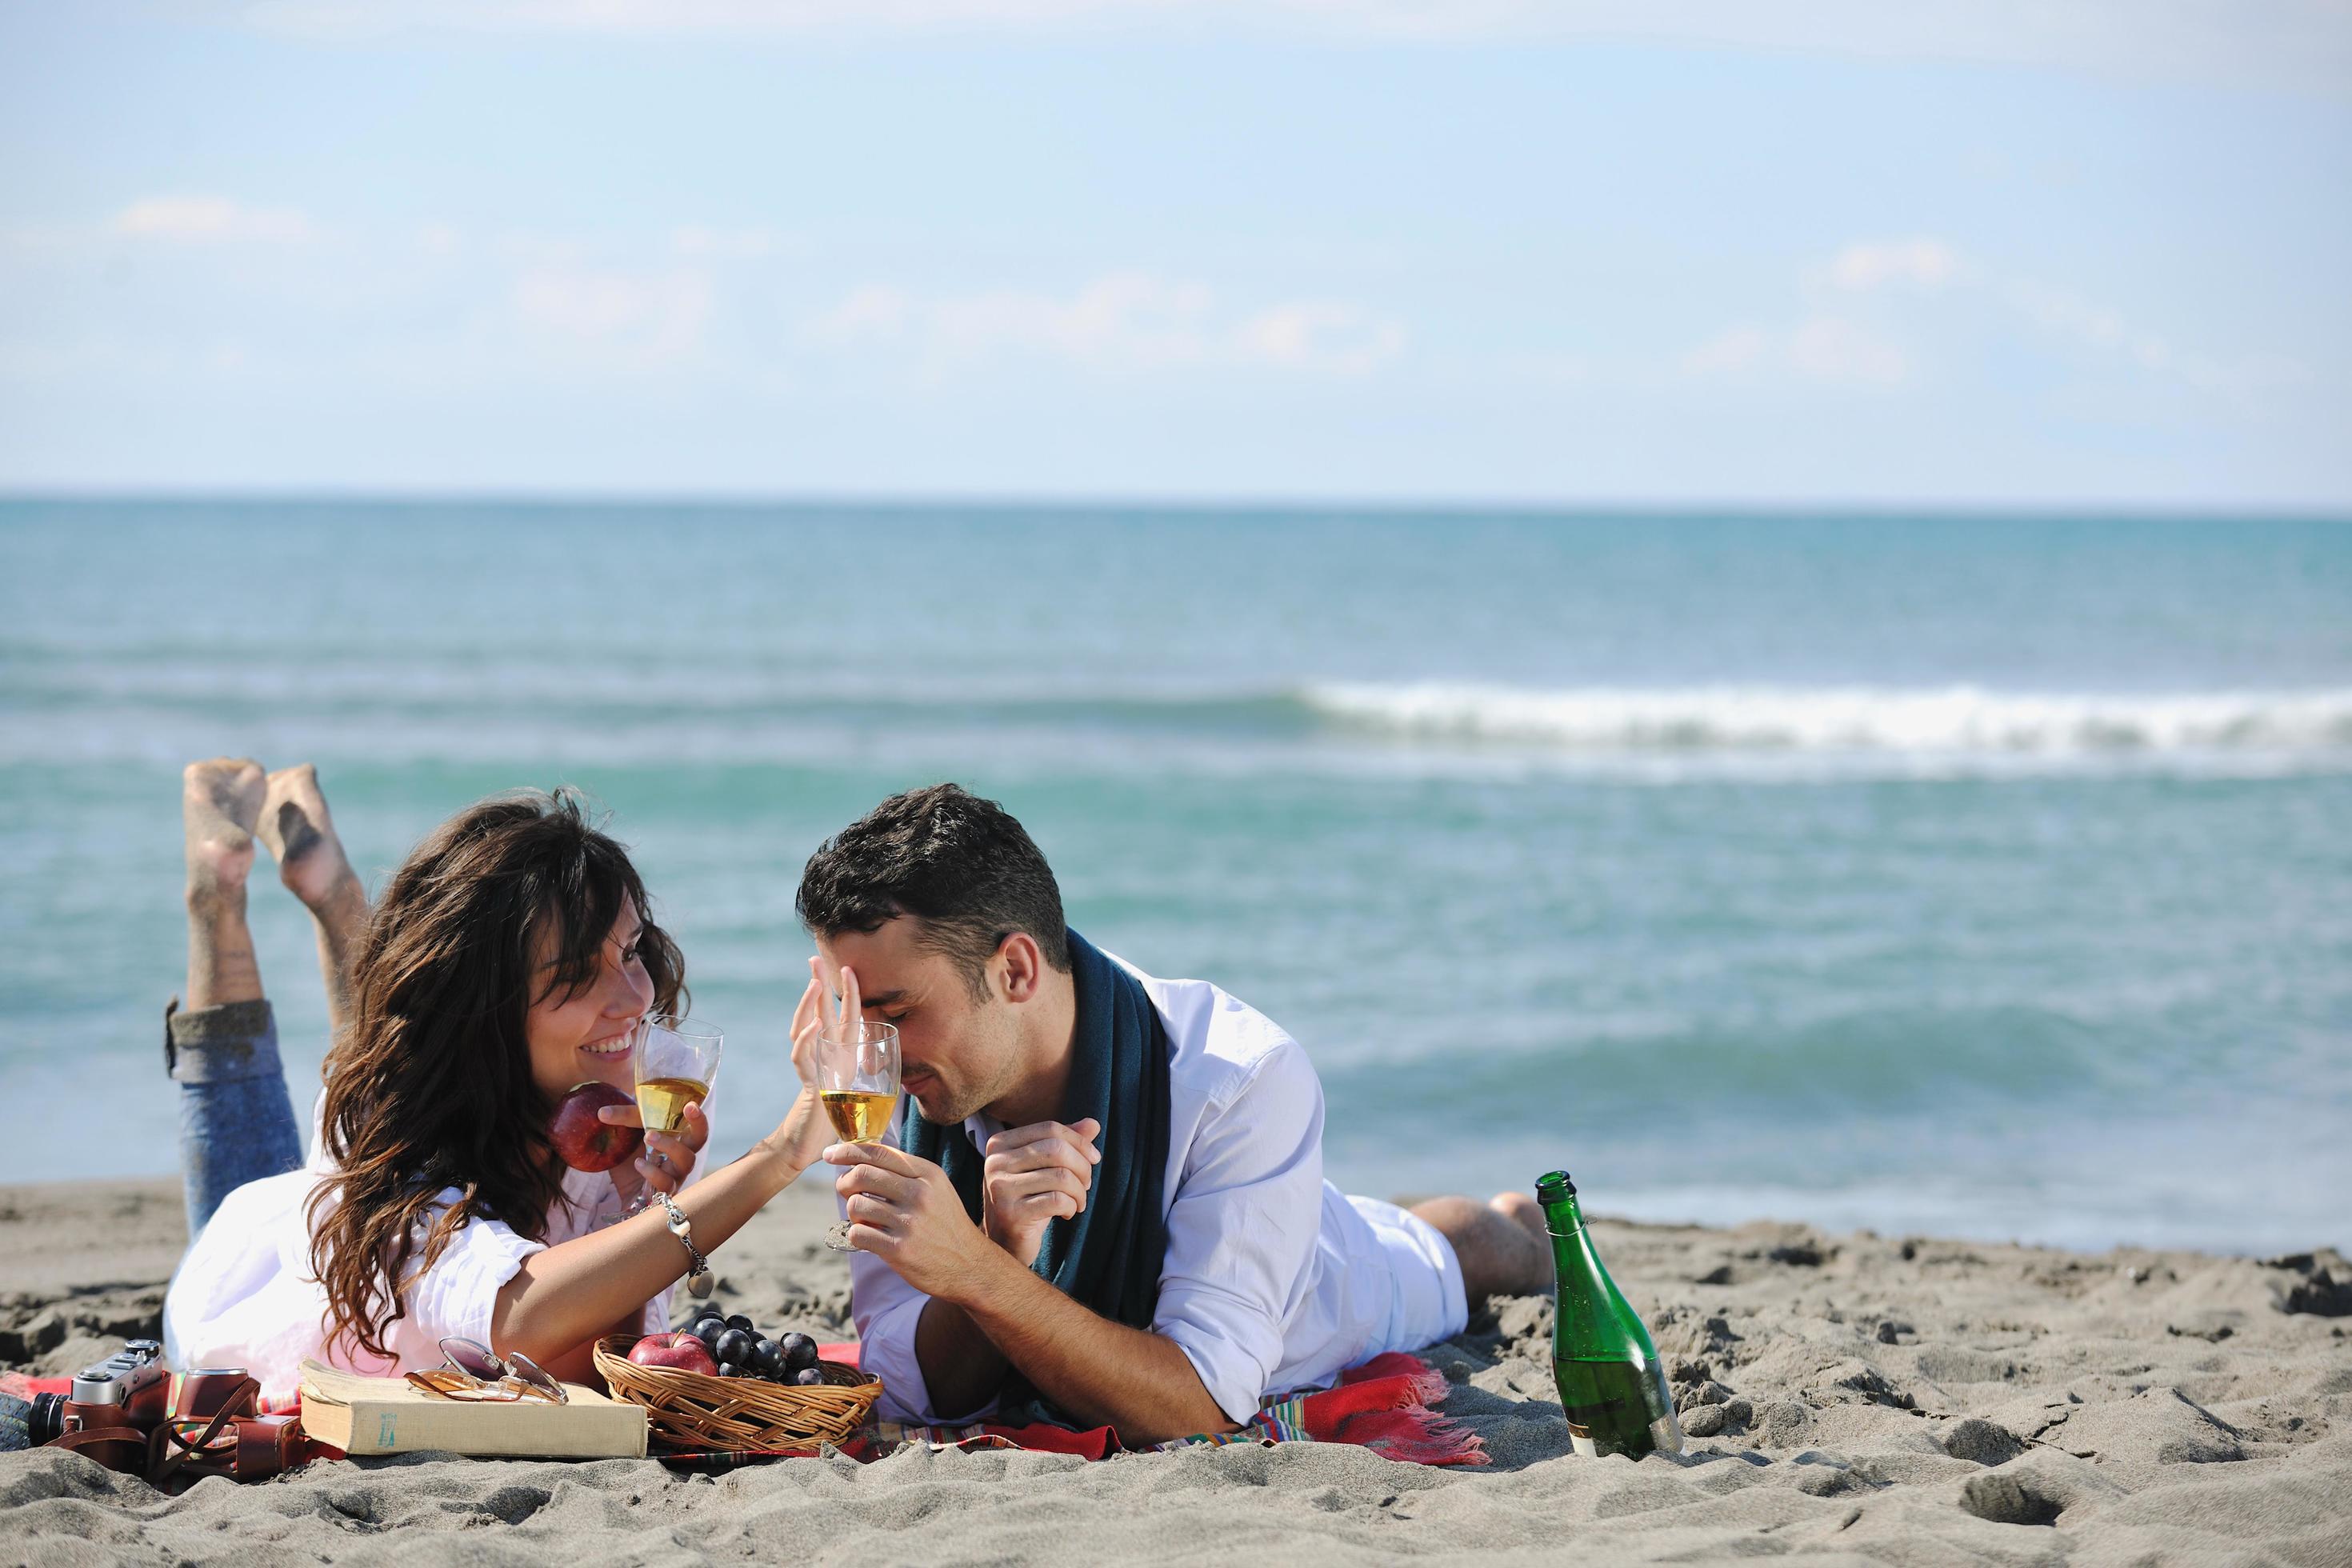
(1104, 1198)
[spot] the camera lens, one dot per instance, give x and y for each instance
(42, 1421)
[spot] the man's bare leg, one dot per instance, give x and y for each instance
(220, 801)
(1503, 1245)
(311, 862)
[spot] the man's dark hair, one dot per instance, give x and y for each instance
(962, 865)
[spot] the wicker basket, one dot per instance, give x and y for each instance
(689, 1410)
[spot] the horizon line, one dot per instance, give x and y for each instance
(1301, 505)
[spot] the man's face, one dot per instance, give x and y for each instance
(956, 1055)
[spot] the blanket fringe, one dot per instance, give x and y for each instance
(1417, 1436)
(1385, 1405)
(1429, 1385)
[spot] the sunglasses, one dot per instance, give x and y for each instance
(471, 1370)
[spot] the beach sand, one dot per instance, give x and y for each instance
(1891, 1400)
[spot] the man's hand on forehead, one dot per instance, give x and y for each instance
(843, 995)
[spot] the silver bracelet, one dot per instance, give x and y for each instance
(699, 1282)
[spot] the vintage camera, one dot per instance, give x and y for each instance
(132, 1388)
(122, 1413)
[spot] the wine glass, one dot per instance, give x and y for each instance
(674, 1062)
(857, 1084)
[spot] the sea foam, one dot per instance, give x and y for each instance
(1944, 720)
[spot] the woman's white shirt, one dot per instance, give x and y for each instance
(244, 1296)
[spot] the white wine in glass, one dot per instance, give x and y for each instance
(674, 1062)
(662, 1101)
(857, 1084)
(859, 1116)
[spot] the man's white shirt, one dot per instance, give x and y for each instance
(1274, 1279)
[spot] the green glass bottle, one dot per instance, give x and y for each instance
(1610, 1381)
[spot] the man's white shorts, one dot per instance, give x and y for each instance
(1427, 1300)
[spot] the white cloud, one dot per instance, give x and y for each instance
(1930, 263)
(2064, 314)
(2303, 44)
(1821, 348)
(1729, 353)
(2068, 315)
(211, 219)
(1831, 348)
(1125, 320)
(653, 317)
(1855, 342)
(871, 311)
(1130, 320)
(1320, 336)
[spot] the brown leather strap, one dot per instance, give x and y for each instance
(122, 1448)
(169, 1451)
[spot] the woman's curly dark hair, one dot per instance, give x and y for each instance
(430, 1086)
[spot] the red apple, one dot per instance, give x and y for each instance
(681, 1352)
(586, 1142)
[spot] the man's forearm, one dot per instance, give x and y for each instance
(962, 1368)
(1142, 1384)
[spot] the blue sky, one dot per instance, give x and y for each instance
(1694, 250)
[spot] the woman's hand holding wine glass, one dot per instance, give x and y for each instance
(673, 1061)
(668, 1157)
(852, 1064)
(805, 1133)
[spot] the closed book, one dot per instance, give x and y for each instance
(388, 1416)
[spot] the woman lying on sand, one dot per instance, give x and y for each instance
(509, 960)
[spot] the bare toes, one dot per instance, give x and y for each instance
(222, 792)
(220, 804)
(295, 825)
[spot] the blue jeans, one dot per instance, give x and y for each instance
(237, 1119)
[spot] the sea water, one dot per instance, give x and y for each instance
(1968, 875)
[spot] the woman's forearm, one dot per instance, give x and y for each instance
(571, 1293)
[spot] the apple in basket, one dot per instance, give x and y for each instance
(679, 1352)
(586, 1142)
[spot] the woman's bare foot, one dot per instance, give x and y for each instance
(312, 865)
(220, 802)
(295, 824)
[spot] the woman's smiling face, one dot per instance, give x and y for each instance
(584, 1035)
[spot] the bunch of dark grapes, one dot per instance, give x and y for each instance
(742, 1351)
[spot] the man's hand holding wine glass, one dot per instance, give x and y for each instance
(1032, 1174)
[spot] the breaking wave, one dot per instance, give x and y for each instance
(1954, 720)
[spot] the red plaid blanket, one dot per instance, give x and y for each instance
(1384, 1406)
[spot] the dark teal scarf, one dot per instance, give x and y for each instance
(1110, 1256)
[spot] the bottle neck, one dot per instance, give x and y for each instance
(1592, 1321)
